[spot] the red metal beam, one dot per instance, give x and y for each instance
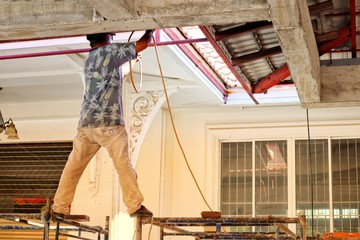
(83, 50)
(344, 35)
(272, 79)
(198, 64)
(353, 27)
(241, 30)
(263, 53)
(215, 45)
(319, 7)
(280, 74)
(325, 37)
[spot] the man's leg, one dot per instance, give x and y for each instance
(82, 152)
(115, 140)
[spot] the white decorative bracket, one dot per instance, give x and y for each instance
(144, 107)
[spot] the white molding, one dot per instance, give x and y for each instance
(298, 130)
(144, 107)
(292, 131)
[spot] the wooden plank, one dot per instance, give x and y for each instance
(77, 218)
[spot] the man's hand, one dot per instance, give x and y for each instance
(144, 41)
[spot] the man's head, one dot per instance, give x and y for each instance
(99, 38)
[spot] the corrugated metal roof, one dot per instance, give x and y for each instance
(258, 52)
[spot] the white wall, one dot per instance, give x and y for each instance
(197, 129)
(164, 179)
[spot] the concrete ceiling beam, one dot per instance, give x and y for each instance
(340, 87)
(114, 9)
(292, 23)
(24, 19)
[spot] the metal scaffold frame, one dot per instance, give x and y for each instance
(62, 226)
(185, 227)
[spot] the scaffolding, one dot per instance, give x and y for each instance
(61, 227)
(220, 228)
(212, 228)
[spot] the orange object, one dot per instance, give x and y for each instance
(30, 200)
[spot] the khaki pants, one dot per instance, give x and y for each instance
(87, 142)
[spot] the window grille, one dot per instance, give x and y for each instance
(236, 179)
(29, 174)
(319, 168)
(270, 179)
(264, 175)
(345, 184)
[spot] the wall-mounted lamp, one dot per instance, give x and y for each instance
(8, 127)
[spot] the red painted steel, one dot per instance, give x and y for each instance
(245, 85)
(344, 35)
(272, 79)
(353, 27)
(198, 64)
(283, 72)
(82, 50)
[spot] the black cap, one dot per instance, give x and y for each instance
(97, 37)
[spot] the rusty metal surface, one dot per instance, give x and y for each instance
(178, 227)
(11, 216)
(23, 219)
(232, 235)
(236, 221)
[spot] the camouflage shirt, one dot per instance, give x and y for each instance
(102, 103)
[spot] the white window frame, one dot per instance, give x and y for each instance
(215, 134)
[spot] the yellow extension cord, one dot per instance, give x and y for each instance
(172, 123)
(171, 117)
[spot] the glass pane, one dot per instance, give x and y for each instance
(313, 199)
(270, 180)
(345, 172)
(236, 180)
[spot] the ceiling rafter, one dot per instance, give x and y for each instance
(283, 72)
(272, 79)
(262, 53)
(241, 30)
(200, 64)
(225, 57)
(320, 7)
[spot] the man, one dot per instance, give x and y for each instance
(101, 123)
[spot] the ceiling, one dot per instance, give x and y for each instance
(253, 52)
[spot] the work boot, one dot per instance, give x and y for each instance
(142, 212)
(57, 216)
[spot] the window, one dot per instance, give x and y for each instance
(345, 184)
(29, 174)
(270, 178)
(312, 191)
(236, 179)
(255, 181)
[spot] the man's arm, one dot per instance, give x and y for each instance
(144, 41)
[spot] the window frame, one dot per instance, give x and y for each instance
(215, 134)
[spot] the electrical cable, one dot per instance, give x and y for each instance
(131, 71)
(311, 174)
(174, 128)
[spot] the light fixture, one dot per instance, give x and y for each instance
(8, 127)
